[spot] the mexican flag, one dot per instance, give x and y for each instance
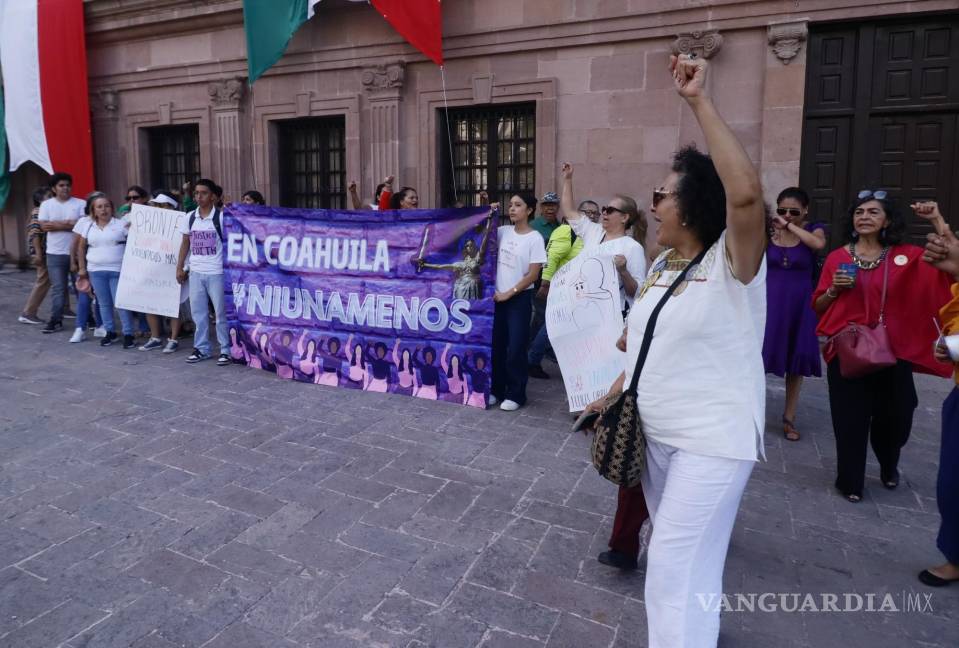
(270, 24)
(43, 60)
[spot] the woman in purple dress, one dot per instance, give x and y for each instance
(790, 347)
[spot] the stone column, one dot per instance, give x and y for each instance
(109, 160)
(226, 97)
(784, 90)
(383, 85)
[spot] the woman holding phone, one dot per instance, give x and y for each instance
(877, 408)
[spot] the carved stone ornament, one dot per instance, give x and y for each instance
(786, 40)
(384, 77)
(226, 93)
(703, 43)
(110, 99)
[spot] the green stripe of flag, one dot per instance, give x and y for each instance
(269, 26)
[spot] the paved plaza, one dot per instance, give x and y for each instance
(147, 503)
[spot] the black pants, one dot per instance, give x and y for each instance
(511, 324)
(877, 408)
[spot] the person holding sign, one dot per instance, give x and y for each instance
(203, 242)
(609, 235)
(522, 254)
(100, 258)
(701, 392)
(162, 200)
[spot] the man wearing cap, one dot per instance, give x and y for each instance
(547, 220)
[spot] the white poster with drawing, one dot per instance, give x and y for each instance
(148, 278)
(584, 319)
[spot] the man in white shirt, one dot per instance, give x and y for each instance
(57, 217)
(202, 231)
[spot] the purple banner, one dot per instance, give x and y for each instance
(394, 301)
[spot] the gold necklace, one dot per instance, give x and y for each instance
(862, 264)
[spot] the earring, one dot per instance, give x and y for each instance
(855, 235)
(685, 224)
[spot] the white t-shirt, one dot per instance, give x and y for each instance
(206, 248)
(593, 236)
(516, 253)
(105, 247)
(703, 387)
(53, 210)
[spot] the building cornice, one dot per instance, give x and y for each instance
(125, 20)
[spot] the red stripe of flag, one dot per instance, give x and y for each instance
(418, 21)
(64, 90)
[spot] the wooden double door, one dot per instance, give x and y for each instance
(882, 112)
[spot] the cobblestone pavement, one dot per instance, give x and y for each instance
(148, 503)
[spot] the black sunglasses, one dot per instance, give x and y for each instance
(134, 197)
(792, 211)
(659, 194)
(609, 209)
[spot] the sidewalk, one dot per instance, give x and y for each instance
(146, 502)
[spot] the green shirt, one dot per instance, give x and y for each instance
(561, 250)
(544, 227)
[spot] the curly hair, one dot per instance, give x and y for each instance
(700, 194)
(892, 234)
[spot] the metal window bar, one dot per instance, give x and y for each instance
(174, 155)
(313, 163)
(493, 150)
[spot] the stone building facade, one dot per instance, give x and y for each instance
(527, 85)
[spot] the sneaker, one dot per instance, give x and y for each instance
(536, 371)
(99, 332)
(618, 560)
(509, 406)
(197, 356)
(52, 327)
(29, 319)
(171, 346)
(128, 342)
(108, 339)
(223, 360)
(152, 343)
(493, 400)
(69, 314)
(78, 336)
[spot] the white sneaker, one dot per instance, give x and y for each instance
(492, 400)
(99, 332)
(171, 346)
(509, 406)
(78, 336)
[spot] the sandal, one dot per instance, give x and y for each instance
(789, 430)
(891, 482)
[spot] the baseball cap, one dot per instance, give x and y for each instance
(549, 197)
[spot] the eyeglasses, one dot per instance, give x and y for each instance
(867, 193)
(609, 209)
(792, 211)
(659, 194)
(589, 212)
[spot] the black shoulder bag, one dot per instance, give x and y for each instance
(619, 445)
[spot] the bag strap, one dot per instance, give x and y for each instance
(885, 284)
(651, 324)
(216, 221)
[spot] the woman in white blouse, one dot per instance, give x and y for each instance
(610, 236)
(100, 257)
(701, 393)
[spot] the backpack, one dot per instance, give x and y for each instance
(216, 221)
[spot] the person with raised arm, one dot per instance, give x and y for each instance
(942, 251)
(877, 278)
(700, 381)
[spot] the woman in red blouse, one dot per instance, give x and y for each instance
(878, 407)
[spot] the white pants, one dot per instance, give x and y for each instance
(692, 501)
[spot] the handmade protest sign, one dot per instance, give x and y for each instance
(389, 301)
(584, 319)
(148, 279)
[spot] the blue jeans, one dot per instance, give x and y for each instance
(203, 286)
(58, 266)
(105, 286)
(537, 348)
(511, 321)
(84, 310)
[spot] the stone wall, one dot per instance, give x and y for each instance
(595, 68)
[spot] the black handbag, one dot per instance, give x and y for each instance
(619, 445)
